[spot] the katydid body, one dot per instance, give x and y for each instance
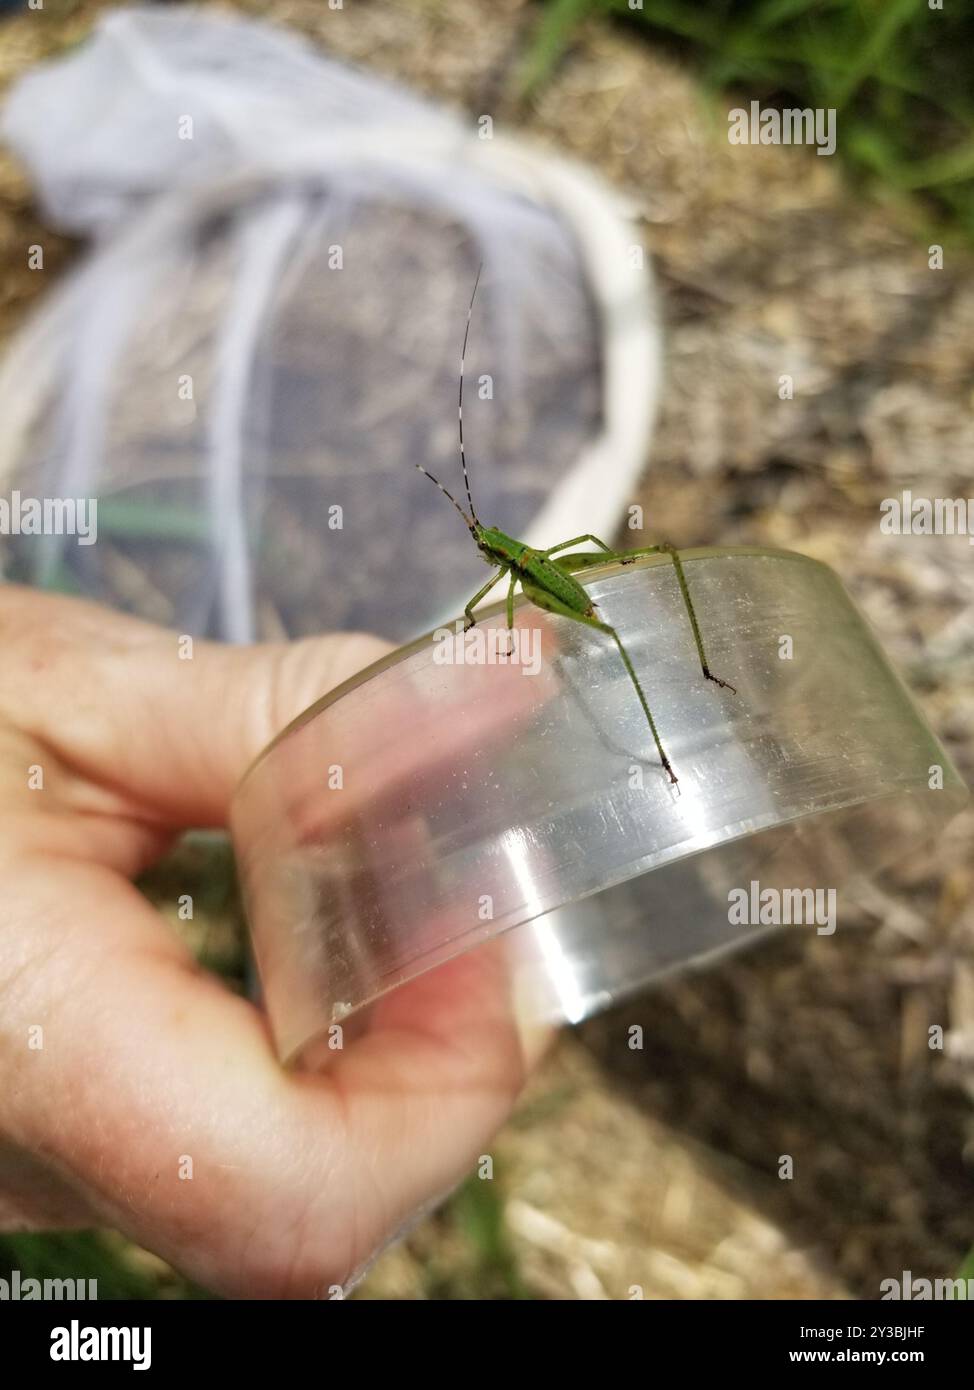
(546, 578)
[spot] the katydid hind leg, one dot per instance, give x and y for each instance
(627, 557)
(583, 560)
(576, 540)
(552, 604)
(665, 548)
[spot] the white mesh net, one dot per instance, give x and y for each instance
(266, 335)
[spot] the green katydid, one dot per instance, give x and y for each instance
(548, 583)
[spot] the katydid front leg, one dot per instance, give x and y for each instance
(481, 593)
(510, 613)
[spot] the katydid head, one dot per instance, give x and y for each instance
(496, 547)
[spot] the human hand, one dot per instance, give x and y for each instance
(298, 1179)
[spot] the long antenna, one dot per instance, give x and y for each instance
(463, 354)
(427, 474)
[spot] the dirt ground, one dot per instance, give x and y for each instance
(658, 1169)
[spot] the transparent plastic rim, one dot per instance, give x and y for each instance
(465, 783)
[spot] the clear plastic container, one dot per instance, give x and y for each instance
(425, 809)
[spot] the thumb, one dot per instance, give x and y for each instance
(163, 724)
